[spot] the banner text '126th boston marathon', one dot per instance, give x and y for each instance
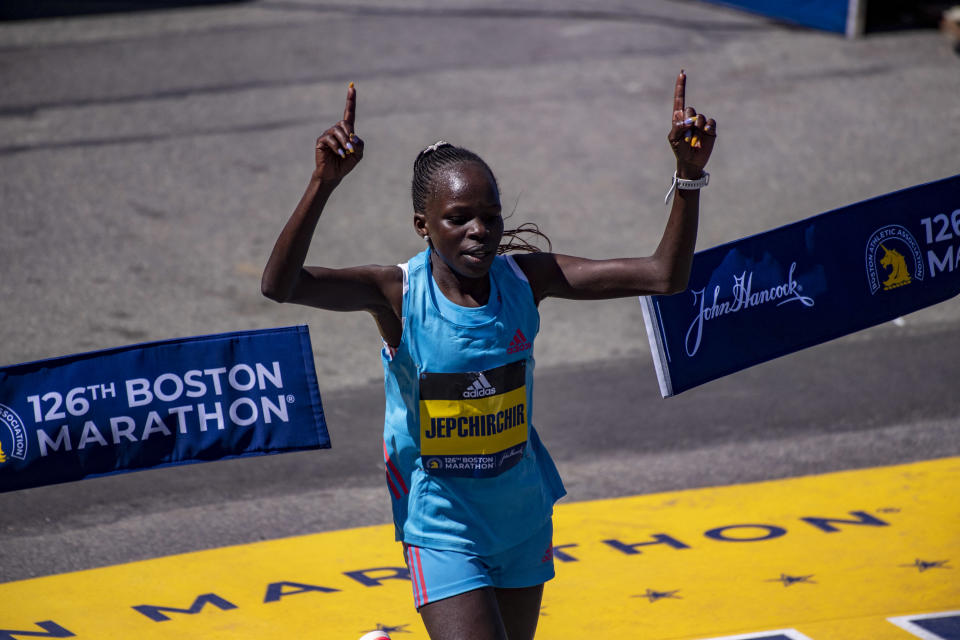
(771, 294)
(158, 404)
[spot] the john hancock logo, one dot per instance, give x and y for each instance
(893, 258)
(13, 435)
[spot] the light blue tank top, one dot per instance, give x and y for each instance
(464, 465)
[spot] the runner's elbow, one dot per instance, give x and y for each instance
(661, 276)
(272, 290)
(670, 283)
(676, 285)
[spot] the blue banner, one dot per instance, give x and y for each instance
(830, 15)
(159, 404)
(771, 294)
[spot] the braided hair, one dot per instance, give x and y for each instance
(441, 155)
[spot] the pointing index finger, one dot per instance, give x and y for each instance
(679, 92)
(350, 110)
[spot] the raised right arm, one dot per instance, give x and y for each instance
(372, 288)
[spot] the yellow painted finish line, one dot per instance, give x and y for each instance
(831, 557)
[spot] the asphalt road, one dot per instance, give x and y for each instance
(148, 160)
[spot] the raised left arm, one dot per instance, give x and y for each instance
(692, 138)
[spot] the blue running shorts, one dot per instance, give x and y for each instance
(441, 574)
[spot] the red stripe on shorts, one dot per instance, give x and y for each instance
(423, 584)
(413, 575)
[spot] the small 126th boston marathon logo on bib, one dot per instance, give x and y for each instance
(893, 258)
(13, 435)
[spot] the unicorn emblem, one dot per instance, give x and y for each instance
(899, 274)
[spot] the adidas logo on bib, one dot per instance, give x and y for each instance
(480, 388)
(519, 343)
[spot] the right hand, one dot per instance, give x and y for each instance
(338, 148)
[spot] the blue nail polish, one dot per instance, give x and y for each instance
(342, 154)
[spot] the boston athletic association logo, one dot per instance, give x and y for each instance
(13, 435)
(893, 258)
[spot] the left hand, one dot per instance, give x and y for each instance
(692, 135)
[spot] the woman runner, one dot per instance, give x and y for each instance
(472, 486)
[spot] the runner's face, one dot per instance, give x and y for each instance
(463, 219)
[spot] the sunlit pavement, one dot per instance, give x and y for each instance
(856, 554)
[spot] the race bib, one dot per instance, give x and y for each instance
(473, 425)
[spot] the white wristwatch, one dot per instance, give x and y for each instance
(686, 185)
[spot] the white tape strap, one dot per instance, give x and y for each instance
(405, 267)
(686, 185)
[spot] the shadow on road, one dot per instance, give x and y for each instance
(36, 9)
(888, 15)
